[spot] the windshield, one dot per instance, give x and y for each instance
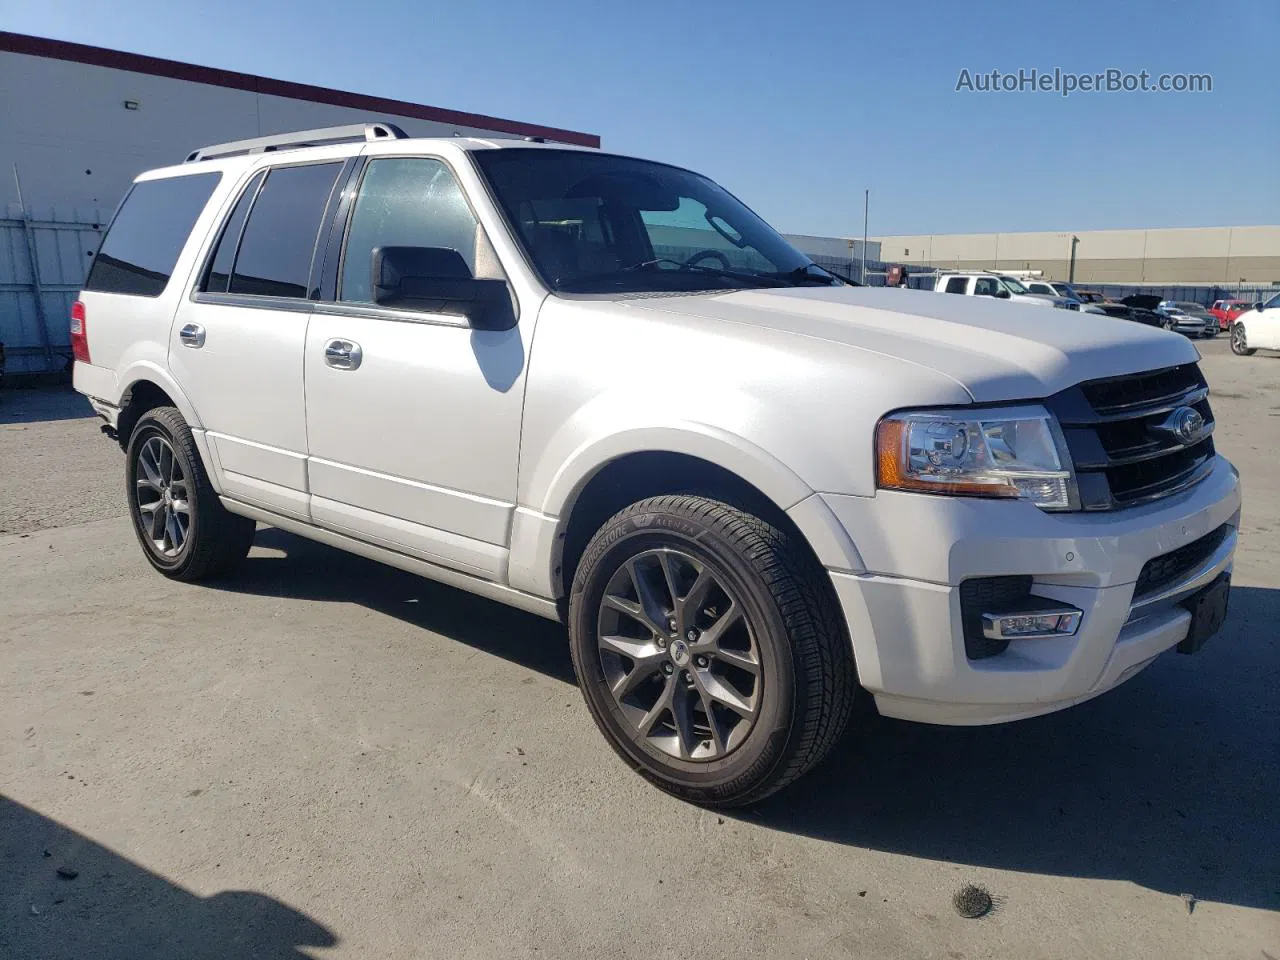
(595, 223)
(1013, 285)
(1192, 308)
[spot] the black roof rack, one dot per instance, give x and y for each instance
(300, 138)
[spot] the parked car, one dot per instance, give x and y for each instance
(1187, 318)
(1228, 310)
(1257, 329)
(1047, 288)
(1138, 307)
(998, 286)
(749, 490)
(1092, 296)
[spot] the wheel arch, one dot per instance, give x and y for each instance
(147, 385)
(621, 470)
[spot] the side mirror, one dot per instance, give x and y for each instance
(1003, 294)
(438, 280)
(1258, 305)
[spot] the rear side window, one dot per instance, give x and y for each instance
(224, 256)
(274, 259)
(147, 235)
(957, 284)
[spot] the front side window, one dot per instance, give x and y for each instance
(279, 239)
(986, 287)
(405, 202)
(1272, 303)
(146, 237)
(596, 223)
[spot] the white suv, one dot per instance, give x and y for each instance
(600, 389)
(1000, 287)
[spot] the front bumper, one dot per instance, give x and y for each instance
(1193, 328)
(904, 618)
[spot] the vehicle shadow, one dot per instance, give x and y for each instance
(106, 907)
(314, 571)
(42, 404)
(1168, 782)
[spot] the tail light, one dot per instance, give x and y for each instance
(79, 333)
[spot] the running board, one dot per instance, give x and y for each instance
(453, 578)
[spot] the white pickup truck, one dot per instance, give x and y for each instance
(1001, 287)
(751, 491)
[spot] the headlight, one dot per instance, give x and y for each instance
(1015, 452)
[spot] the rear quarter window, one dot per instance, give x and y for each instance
(148, 233)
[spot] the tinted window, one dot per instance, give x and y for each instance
(145, 239)
(405, 202)
(985, 287)
(592, 222)
(957, 284)
(225, 253)
(280, 237)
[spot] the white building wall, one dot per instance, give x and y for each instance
(65, 126)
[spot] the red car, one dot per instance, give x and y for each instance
(1228, 310)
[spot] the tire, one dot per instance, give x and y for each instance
(778, 633)
(1240, 341)
(162, 458)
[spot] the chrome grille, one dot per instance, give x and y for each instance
(1113, 430)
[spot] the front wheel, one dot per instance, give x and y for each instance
(1240, 341)
(185, 531)
(709, 649)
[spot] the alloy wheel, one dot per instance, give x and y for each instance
(1238, 340)
(679, 656)
(162, 497)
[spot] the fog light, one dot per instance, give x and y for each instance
(1035, 619)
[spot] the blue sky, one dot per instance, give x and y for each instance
(797, 107)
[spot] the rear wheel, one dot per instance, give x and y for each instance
(1240, 341)
(709, 649)
(184, 530)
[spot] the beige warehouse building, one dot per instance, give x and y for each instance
(1196, 255)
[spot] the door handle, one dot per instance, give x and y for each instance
(343, 354)
(192, 335)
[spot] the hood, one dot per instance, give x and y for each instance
(1144, 301)
(997, 350)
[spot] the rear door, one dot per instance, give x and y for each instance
(413, 419)
(237, 343)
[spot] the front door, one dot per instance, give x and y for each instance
(237, 347)
(413, 419)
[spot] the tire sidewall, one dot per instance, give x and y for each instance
(1239, 330)
(146, 428)
(765, 746)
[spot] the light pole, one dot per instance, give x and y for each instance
(866, 208)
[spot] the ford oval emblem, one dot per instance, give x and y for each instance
(1186, 424)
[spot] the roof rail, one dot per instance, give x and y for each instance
(300, 138)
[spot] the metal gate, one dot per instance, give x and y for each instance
(43, 262)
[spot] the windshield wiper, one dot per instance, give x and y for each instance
(759, 279)
(802, 274)
(751, 279)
